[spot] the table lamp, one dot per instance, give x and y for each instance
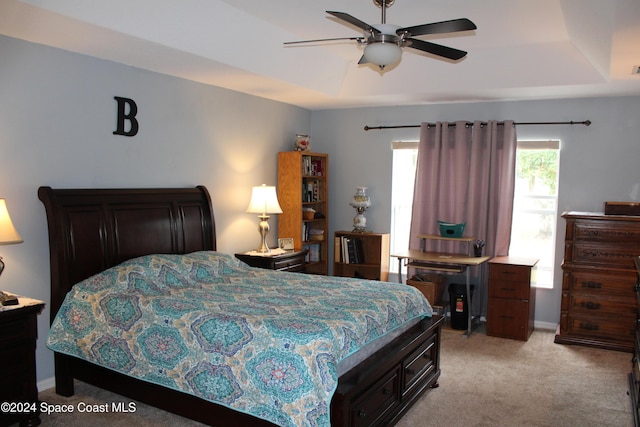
(361, 202)
(8, 236)
(264, 201)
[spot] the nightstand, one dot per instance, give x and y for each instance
(292, 261)
(512, 297)
(18, 334)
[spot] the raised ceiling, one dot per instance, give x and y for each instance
(522, 49)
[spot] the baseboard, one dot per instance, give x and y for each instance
(545, 325)
(46, 384)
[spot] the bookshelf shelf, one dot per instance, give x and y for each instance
(368, 257)
(303, 185)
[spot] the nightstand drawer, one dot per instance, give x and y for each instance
(12, 358)
(508, 318)
(292, 264)
(508, 272)
(14, 330)
(509, 289)
(293, 261)
(509, 281)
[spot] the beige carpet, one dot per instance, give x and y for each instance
(485, 381)
(488, 381)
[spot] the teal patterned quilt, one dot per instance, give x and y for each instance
(262, 342)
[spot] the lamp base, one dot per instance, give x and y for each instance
(360, 221)
(263, 227)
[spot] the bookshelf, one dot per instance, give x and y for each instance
(303, 186)
(363, 255)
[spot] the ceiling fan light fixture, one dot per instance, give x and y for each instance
(382, 54)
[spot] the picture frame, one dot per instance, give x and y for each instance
(286, 243)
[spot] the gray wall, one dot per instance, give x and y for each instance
(57, 117)
(597, 163)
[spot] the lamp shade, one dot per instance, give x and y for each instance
(382, 54)
(8, 233)
(264, 201)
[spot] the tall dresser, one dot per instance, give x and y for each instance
(598, 285)
(634, 376)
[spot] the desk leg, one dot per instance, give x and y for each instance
(471, 325)
(469, 301)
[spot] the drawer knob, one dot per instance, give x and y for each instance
(362, 413)
(386, 391)
(590, 305)
(410, 371)
(589, 326)
(591, 284)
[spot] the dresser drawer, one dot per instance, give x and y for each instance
(596, 282)
(618, 329)
(606, 254)
(601, 305)
(370, 409)
(606, 231)
(418, 364)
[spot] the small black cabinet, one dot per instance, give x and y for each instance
(293, 261)
(18, 335)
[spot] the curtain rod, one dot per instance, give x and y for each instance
(585, 122)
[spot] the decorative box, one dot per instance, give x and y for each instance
(431, 286)
(622, 208)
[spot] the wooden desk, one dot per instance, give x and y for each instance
(441, 261)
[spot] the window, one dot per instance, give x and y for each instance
(535, 205)
(405, 156)
(533, 230)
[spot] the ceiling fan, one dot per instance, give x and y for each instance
(384, 42)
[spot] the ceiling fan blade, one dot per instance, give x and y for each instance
(436, 49)
(462, 24)
(354, 21)
(358, 39)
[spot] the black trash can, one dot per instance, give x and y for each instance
(459, 305)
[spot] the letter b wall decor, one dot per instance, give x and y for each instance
(125, 115)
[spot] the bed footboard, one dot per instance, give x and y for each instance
(381, 389)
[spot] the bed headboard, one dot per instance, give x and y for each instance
(91, 230)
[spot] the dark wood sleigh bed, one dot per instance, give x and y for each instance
(91, 230)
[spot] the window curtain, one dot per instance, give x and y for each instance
(465, 173)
